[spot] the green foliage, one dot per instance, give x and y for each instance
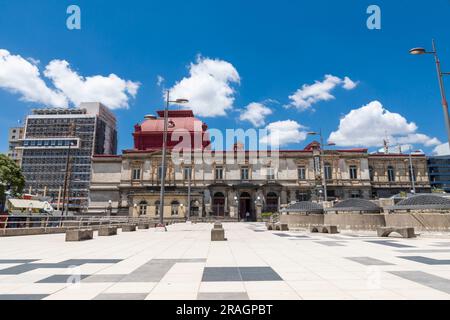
(266, 214)
(10, 176)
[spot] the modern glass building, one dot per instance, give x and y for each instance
(439, 172)
(57, 147)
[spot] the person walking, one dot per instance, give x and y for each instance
(247, 216)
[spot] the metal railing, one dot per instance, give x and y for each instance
(70, 222)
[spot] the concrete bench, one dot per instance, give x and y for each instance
(404, 232)
(144, 226)
(324, 229)
(277, 226)
(79, 235)
(129, 227)
(107, 231)
(281, 227)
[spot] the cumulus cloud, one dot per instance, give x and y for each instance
(112, 90)
(442, 150)
(22, 76)
(371, 124)
(256, 114)
(285, 132)
(209, 87)
(308, 95)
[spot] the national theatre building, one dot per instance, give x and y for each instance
(129, 184)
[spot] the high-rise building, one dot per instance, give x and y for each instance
(439, 171)
(15, 135)
(58, 145)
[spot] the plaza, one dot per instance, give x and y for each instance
(253, 264)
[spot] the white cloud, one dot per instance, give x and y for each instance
(442, 150)
(209, 87)
(112, 90)
(349, 84)
(256, 114)
(308, 95)
(22, 76)
(160, 80)
(284, 132)
(369, 125)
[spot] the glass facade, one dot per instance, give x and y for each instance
(439, 172)
(51, 137)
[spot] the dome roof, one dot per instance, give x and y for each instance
(149, 135)
(424, 201)
(305, 207)
(360, 205)
(176, 121)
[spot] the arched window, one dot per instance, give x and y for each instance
(143, 208)
(174, 208)
(195, 209)
(157, 207)
(328, 171)
(391, 173)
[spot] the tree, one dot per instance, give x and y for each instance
(11, 177)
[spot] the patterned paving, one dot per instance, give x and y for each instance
(183, 264)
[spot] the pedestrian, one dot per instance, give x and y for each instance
(247, 216)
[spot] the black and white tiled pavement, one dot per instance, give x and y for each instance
(253, 264)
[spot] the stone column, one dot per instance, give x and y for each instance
(283, 198)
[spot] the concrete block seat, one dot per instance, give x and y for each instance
(79, 235)
(404, 232)
(277, 226)
(106, 231)
(129, 227)
(324, 229)
(218, 233)
(144, 226)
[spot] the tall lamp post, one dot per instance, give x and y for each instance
(189, 194)
(412, 174)
(322, 163)
(65, 206)
(164, 152)
(419, 51)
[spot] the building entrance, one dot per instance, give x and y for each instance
(245, 206)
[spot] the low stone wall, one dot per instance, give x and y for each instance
(420, 221)
(301, 220)
(355, 221)
(30, 231)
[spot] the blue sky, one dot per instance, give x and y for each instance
(275, 47)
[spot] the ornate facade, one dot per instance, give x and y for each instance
(132, 182)
(239, 184)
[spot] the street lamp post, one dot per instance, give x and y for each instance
(164, 151)
(65, 206)
(411, 172)
(189, 194)
(322, 162)
(419, 51)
